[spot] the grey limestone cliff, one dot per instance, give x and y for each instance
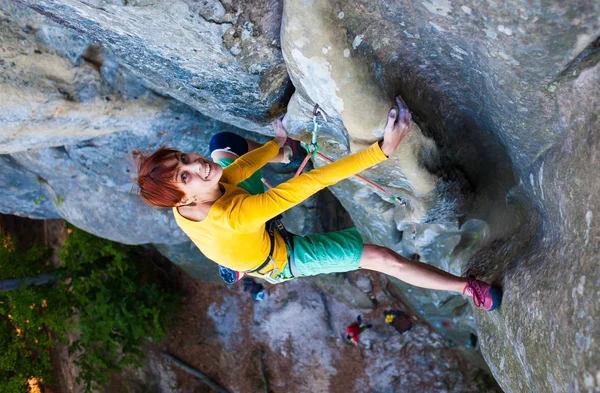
(498, 174)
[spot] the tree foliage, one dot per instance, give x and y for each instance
(105, 295)
(26, 321)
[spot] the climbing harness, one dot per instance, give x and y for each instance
(313, 151)
(231, 276)
(271, 277)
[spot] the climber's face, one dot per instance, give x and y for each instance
(197, 177)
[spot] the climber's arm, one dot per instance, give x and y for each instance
(243, 167)
(255, 210)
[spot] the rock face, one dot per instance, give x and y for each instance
(219, 57)
(498, 173)
(547, 309)
(325, 72)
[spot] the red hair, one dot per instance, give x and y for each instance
(156, 178)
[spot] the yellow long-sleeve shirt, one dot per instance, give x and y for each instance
(233, 234)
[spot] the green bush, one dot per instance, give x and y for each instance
(103, 292)
(119, 307)
(17, 262)
(26, 321)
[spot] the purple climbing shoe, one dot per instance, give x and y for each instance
(483, 294)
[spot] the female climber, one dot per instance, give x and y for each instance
(237, 227)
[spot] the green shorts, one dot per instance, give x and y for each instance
(323, 253)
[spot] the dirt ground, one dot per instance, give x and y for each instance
(194, 340)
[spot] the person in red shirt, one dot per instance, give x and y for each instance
(355, 329)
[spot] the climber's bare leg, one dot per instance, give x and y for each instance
(416, 273)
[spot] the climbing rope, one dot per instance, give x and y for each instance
(313, 151)
(393, 199)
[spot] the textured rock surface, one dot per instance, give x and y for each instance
(57, 90)
(324, 72)
(551, 305)
(22, 192)
(221, 58)
(495, 129)
(504, 165)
